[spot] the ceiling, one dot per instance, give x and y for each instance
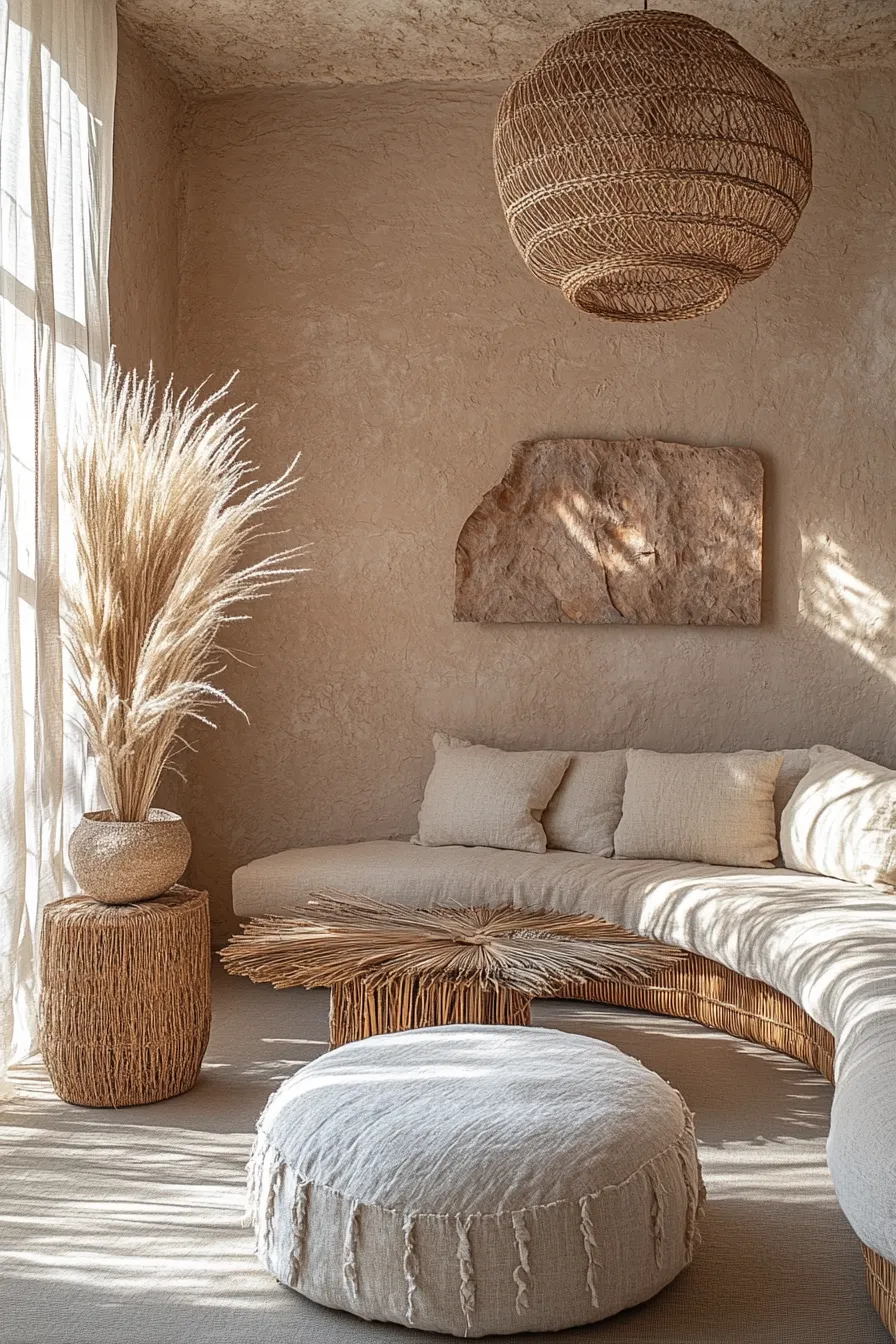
(211, 46)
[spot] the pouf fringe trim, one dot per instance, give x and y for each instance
(521, 1273)
(467, 1273)
(299, 1227)
(590, 1248)
(350, 1250)
(658, 1212)
(693, 1181)
(266, 1186)
(266, 1172)
(411, 1263)
(255, 1168)
(276, 1183)
(253, 1181)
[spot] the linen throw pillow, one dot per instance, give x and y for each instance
(585, 811)
(841, 820)
(482, 796)
(705, 807)
(794, 766)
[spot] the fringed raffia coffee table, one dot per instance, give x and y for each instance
(392, 968)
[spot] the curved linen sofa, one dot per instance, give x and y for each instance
(803, 963)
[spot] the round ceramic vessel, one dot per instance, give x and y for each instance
(118, 862)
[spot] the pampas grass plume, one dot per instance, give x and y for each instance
(164, 508)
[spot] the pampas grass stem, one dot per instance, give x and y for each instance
(164, 509)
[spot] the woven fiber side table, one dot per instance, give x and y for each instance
(126, 1001)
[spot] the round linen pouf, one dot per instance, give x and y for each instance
(476, 1180)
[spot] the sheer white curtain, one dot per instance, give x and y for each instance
(57, 89)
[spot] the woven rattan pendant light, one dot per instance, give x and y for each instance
(648, 164)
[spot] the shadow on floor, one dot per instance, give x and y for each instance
(123, 1227)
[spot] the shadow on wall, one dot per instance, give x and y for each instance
(845, 607)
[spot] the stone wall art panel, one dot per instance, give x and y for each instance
(601, 531)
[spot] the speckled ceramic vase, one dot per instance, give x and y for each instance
(119, 862)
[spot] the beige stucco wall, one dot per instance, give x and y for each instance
(143, 252)
(143, 260)
(345, 249)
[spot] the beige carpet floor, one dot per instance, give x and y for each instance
(124, 1227)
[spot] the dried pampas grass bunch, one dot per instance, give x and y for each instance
(164, 508)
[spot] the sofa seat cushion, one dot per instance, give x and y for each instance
(827, 944)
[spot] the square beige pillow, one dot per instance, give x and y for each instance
(704, 807)
(841, 820)
(585, 811)
(482, 796)
(794, 766)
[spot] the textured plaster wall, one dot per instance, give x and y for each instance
(345, 249)
(143, 253)
(143, 261)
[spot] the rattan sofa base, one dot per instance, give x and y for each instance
(881, 1278)
(704, 991)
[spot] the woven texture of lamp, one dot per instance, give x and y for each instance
(648, 164)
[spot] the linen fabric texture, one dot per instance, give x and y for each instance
(841, 820)
(707, 807)
(794, 766)
(828, 944)
(476, 1180)
(482, 796)
(583, 814)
